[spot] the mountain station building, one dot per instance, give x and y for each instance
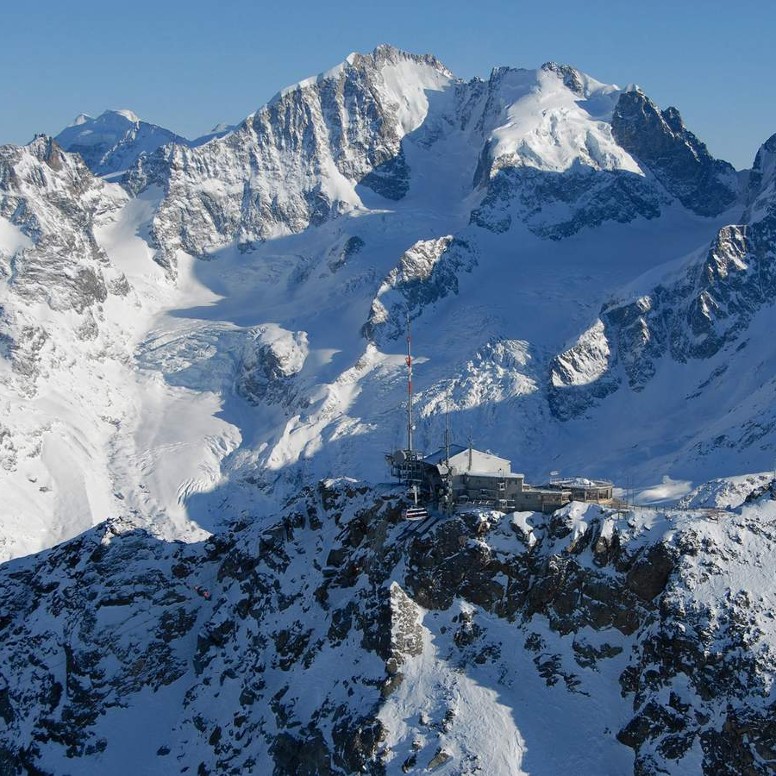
(458, 475)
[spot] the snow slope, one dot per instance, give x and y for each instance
(80, 292)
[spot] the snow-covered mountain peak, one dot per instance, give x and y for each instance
(303, 159)
(109, 119)
(387, 54)
(126, 113)
(39, 170)
(545, 125)
(114, 140)
(572, 78)
(208, 340)
(42, 147)
(674, 155)
(382, 188)
(384, 54)
(385, 64)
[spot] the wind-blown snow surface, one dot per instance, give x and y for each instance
(262, 279)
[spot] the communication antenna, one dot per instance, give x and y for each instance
(630, 495)
(447, 435)
(409, 385)
(447, 496)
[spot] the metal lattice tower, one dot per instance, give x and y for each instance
(409, 386)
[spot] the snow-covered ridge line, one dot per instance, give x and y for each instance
(111, 143)
(382, 55)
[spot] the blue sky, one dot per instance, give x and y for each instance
(189, 65)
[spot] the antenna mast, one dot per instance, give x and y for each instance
(409, 385)
(447, 434)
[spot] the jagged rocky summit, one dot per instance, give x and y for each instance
(336, 639)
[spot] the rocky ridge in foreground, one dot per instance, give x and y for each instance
(341, 639)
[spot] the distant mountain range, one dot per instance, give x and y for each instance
(571, 256)
(193, 332)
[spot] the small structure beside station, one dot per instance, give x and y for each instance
(457, 475)
(583, 489)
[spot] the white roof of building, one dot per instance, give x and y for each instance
(479, 462)
(440, 455)
(580, 482)
(482, 463)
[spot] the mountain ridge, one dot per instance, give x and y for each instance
(289, 252)
(111, 143)
(206, 344)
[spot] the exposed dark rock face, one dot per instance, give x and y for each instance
(695, 316)
(681, 162)
(284, 168)
(560, 587)
(390, 179)
(341, 256)
(341, 596)
(592, 184)
(306, 157)
(427, 273)
(53, 199)
(269, 366)
(592, 197)
(296, 643)
(571, 77)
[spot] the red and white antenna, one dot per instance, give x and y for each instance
(409, 385)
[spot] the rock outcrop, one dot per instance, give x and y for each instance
(694, 314)
(665, 147)
(339, 639)
(296, 162)
(426, 273)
